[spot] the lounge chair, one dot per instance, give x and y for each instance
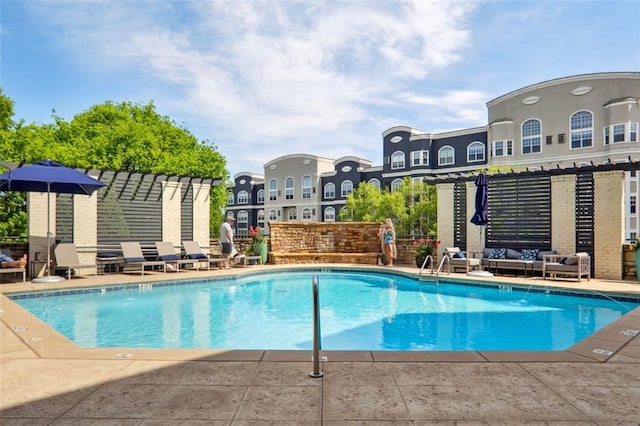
(577, 265)
(460, 259)
(132, 255)
(67, 258)
(167, 253)
(194, 252)
(14, 271)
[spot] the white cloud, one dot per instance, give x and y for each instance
(272, 77)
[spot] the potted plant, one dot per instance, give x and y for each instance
(424, 247)
(636, 248)
(258, 245)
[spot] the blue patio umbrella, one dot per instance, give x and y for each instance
(481, 216)
(48, 176)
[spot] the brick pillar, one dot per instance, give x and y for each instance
(201, 218)
(445, 216)
(609, 224)
(85, 226)
(563, 213)
(37, 229)
(171, 212)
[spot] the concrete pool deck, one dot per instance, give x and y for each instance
(46, 379)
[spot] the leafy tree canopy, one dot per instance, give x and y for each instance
(413, 207)
(116, 136)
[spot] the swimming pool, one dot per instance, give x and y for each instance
(359, 311)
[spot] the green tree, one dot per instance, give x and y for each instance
(117, 136)
(413, 207)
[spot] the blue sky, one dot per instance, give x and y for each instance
(261, 79)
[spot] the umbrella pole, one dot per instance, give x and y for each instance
(48, 278)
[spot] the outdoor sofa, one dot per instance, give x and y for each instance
(575, 265)
(515, 260)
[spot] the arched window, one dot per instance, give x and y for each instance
(446, 156)
(306, 214)
(397, 160)
(582, 130)
(230, 199)
(375, 182)
(531, 137)
(306, 187)
(346, 188)
(475, 152)
(273, 190)
(330, 190)
(273, 215)
(329, 214)
(242, 223)
(260, 196)
(396, 184)
(292, 215)
(261, 218)
(288, 188)
(243, 197)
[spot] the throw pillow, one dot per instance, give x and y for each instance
(572, 260)
(513, 254)
(529, 254)
(499, 253)
(458, 255)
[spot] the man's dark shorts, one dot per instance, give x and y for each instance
(226, 248)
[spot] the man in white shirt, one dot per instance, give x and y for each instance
(226, 239)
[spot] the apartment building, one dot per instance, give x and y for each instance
(582, 119)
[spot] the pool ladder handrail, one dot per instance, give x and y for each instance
(424, 262)
(316, 329)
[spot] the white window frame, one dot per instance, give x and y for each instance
(242, 223)
(346, 188)
(396, 184)
(243, 197)
(292, 215)
(231, 199)
(260, 196)
(397, 160)
(273, 215)
(260, 217)
(289, 187)
(330, 190)
(477, 148)
(506, 146)
(581, 127)
(530, 140)
(375, 182)
(444, 159)
(306, 214)
(420, 158)
(329, 214)
(273, 190)
(306, 187)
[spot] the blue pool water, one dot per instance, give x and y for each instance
(359, 311)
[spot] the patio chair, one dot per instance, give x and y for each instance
(167, 253)
(66, 255)
(22, 271)
(132, 255)
(577, 265)
(194, 251)
(460, 259)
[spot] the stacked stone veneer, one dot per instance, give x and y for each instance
(324, 242)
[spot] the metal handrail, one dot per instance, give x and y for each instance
(316, 330)
(427, 257)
